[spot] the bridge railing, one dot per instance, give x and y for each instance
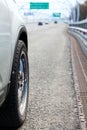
(81, 24)
(79, 28)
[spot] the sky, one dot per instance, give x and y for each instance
(55, 6)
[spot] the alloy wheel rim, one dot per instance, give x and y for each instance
(22, 84)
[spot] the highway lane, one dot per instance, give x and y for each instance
(52, 99)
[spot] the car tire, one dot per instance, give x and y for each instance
(13, 111)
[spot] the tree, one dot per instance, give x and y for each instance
(83, 10)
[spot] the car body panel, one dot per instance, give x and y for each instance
(5, 44)
(16, 23)
(10, 25)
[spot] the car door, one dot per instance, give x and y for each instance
(5, 44)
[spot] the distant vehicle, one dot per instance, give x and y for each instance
(46, 23)
(55, 22)
(40, 23)
(14, 74)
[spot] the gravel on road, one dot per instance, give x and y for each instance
(52, 97)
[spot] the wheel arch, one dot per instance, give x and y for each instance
(23, 36)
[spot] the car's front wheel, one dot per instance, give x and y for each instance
(14, 109)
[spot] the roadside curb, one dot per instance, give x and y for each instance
(78, 97)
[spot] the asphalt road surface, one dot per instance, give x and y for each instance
(52, 97)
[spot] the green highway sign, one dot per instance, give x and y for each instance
(57, 15)
(39, 5)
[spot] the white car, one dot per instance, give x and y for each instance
(14, 68)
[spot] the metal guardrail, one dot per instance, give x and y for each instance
(80, 31)
(79, 28)
(81, 24)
